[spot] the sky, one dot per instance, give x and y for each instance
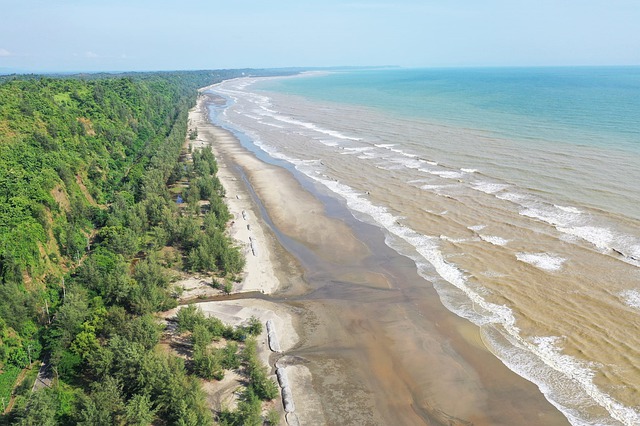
(140, 35)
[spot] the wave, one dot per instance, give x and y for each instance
(496, 241)
(631, 298)
(543, 261)
(424, 250)
(564, 380)
(545, 348)
(571, 221)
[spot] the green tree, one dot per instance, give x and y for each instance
(40, 410)
(188, 317)
(273, 417)
(86, 340)
(139, 411)
(86, 164)
(207, 363)
(105, 405)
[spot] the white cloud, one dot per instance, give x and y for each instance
(4, 52)
(91, 55)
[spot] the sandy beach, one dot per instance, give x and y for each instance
(366, 340)
(268, 269)
(247, 228)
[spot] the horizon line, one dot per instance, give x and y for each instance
(8, 71)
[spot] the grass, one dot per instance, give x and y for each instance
(7, 380)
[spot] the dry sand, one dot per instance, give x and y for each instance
(260, 247)
(246, 228)
(290, 207)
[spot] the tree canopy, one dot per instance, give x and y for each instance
(85, 213)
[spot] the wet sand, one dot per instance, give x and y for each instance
(269, 268)
(379, 345)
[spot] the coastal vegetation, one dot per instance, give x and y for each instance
(90, 236)
(238, 353)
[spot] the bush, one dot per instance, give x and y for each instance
(247, 414)
(273, 417)
(254, 327)
(229, 356)
(188, 317)
(262, 386)
(207, 364)
(201, 337)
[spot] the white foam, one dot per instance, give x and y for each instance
(569, 209)
(480, 311)
(453, 240)
(631, 298)
(572, 222)
(414, 181)
(477, 227)
(512, 196)
(432, 187)
(488, 187)
(409, 163)
(599, 237)
(493, 274)
(446, 174)
(550, 351)
(553, 216)
(403, 153)
(313, 127)
(425, 246)
(271, 125)
(496, 241)
(266, 111)
(358, 149)
(469, 170)
(564, 380)
(432, 212)
(543, 261)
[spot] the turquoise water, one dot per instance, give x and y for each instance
(513, 190)
(597, 106)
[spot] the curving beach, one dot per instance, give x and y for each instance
(375, 345)
(269, 269)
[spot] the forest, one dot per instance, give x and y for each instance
(90, 233)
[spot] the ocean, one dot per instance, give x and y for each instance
(514, 191)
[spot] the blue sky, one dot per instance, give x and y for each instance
(108, 35)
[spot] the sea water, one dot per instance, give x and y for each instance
(515, 191)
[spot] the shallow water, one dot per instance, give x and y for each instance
(536, 244)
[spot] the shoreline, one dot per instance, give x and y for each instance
(268, 270)
(377, 343)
